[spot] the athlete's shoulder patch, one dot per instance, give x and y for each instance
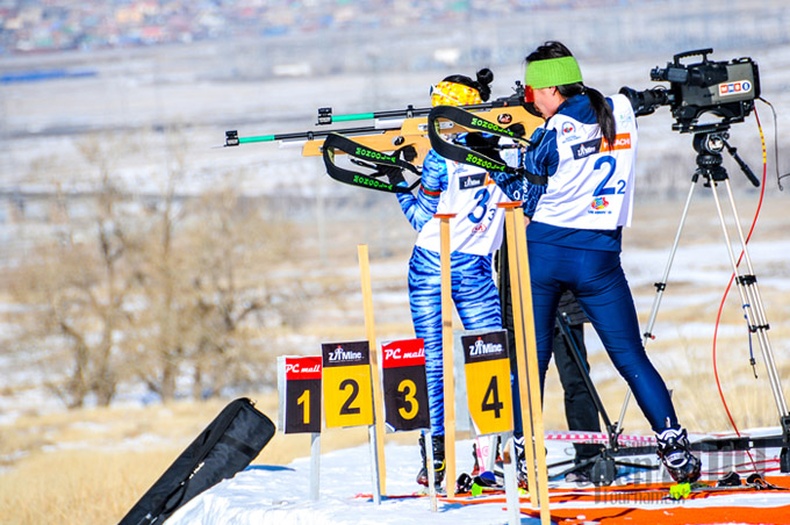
(471, 181)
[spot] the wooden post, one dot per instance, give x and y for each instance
(377, 429)
(511, 225)
(447, 354)
(527, 361)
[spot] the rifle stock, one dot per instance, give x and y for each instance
(386, 141)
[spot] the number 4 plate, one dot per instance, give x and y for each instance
(487, 369)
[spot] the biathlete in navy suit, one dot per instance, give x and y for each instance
(586, 150)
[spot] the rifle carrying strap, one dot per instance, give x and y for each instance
(385, 162)
(466, 154)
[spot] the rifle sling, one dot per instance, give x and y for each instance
(466, 154)
(335, 141)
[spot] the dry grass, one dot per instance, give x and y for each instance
(80, 466)
(77, 486)
(91, 466)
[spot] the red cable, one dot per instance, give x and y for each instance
(729, 285)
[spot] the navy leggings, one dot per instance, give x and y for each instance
(597, 280)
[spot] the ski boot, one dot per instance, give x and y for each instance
(438, 461)
(674, 452)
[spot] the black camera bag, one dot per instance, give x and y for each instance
(226, 446)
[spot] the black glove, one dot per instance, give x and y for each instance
(479, 141)
(517, 129)
(394, 175)
(484, 145)
(407, 153)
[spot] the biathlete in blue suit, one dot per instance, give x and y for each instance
(449, 187)
(587, 151)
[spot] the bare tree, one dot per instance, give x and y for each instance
(80, 281)
(169, 290)
(208, 269)
(214, 282)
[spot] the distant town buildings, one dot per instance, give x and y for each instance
(36, 26)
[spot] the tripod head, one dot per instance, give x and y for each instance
(709, 145)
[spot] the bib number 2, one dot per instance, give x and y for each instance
(609, 164)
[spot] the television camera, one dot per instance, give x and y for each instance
(723, 89)
(707, 88)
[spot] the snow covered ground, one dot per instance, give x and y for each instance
(264, 495)
(260, 496)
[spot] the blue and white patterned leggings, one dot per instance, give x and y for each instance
(476, 299)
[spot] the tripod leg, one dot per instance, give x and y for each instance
(576, 355)
(752, 304)
(602, 467)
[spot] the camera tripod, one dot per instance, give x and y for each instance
(709, 144)
(602, 467)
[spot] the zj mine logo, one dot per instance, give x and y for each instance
(482, 348)
(339, 354)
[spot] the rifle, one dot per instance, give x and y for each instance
(398, 138)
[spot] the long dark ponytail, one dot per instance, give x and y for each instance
(603, 112)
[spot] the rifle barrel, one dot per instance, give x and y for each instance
(384, 120)
(232, 137)
(325, 115)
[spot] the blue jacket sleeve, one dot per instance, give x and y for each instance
(542, 159)
(421, 207)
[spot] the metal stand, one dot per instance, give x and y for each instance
(603, 466)
(708, 146)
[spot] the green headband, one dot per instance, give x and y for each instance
(552, 72)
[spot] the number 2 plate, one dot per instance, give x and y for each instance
(348, 396)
